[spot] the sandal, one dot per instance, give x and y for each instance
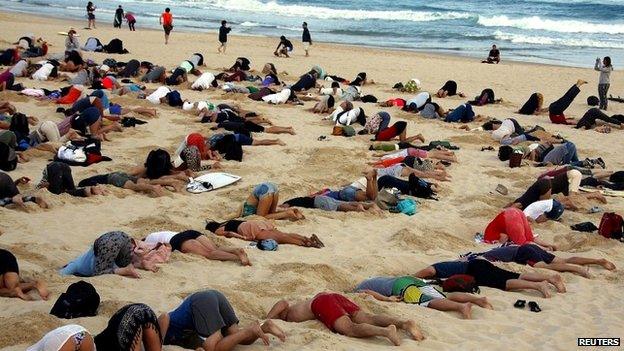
(520, 304)
(501, 189)
(534, 307)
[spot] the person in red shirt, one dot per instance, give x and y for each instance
(166, 20)
(511, 225)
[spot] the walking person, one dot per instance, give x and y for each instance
(119, 16)
(605, 69)
(91, 15)
(306, 39)
(166, 20)
(223, 33)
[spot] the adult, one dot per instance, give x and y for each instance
(326, 203)
(71, 337)
(133, 327)
(12, 285)
(91, 15)
(556, 109)
(10, 194)
(283, 48)
(71, 42)
(306, 38)
(413, 290)
(544, 210)
(205, 320)
(57, 178)
(379, 125)
(605, 68)
(533, 106)
(590, 118)
(223, 34)
(119, 16)
(111, 253)
(263, 202)
(166, 20)
(449, 89)
(534, 256)
(261, 230)
(487, 274)
(511, 225)
(194, 242)
(131, 21)
(493, 56)
(341, 315)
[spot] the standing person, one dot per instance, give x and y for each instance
(166, 19)
(91, 15)
(605, 69)
(119, 15)
(306, 39)
(223, 32)
(131, 21)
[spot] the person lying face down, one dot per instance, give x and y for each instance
(413, 290)
(253, 230)
(205, 320)
(343, 316)
(487, 274)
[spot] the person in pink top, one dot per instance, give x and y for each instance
(511, 225)
(131, 21)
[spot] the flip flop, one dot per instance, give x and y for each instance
(534, 307)
(501, 189)
(520, 304)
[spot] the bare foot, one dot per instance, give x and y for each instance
(41, 202)
(580, 82)
(607, 264)
(359, 208)
(17, 292)
(421, 138)
(158, 191)
(279, 142)
(393, 336)
(291, 131)
(271, 328)
(242, 256)
(257, 330)
(413, 330)
(484, 303)
(584, 272)
(544, 288)
(466, 310)
(42, 288)
(316, 241)
(557, 281)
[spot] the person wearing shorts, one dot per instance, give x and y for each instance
(413, 290)
(263, 202)
(166, 20)
(327, 203)
(205, 319)
(129, 181)
(10, 194)
(12, 285)
(343, 316)
(69, 337)
(535, 256)
(487, 274)
(257, 230)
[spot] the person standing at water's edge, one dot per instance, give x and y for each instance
(306, 39)
(119, 16)
(91, 15)
(223, 33)
(166, 20)
(131, 21)
(605, 69)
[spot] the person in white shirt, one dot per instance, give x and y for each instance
(278, 98)
(44, 72)
(334, 90)
(68, 337)
(543, 210)
(205, 81)
(345, 115)
(194, 242)
(418, 101)
(158, 95)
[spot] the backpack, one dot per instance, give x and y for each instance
(405, 206)
(611, 225)
(460, 283)
(158, 164)
(110, 62)
(80, 300)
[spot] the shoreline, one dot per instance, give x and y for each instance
(424, 53)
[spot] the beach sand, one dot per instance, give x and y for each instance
(358, 245)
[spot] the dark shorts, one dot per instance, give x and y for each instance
(119, 179)
(531, 254)
(179, 239)
(8, 262)
(243, 139)
(91, 16)
(487, 274)
(167, 28)
(447, 269)
(329, 307)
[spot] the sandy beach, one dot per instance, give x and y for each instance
(357, 245)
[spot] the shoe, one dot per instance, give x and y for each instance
(601, 162)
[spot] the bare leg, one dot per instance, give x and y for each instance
(236, 336)
(371, 185)
(267, 142)
(463, 297)
(196, 247)
(554, 279)
(465, 309)
(345, 326)
(385, 321)
(564, 267)
(279, 130)
(583, 261)
(519, 284)
(10, 286)
(285, 238)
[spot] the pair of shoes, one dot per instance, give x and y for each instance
(533, 306)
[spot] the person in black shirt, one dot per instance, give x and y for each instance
(493, 56)
(283, 47)
(223, 32)
(306, 39)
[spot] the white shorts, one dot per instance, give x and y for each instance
(306, 45)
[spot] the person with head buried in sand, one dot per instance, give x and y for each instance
(343, 316)
(12, 285)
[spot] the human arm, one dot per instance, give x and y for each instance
(279, 310)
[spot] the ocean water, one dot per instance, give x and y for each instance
(567, 32)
